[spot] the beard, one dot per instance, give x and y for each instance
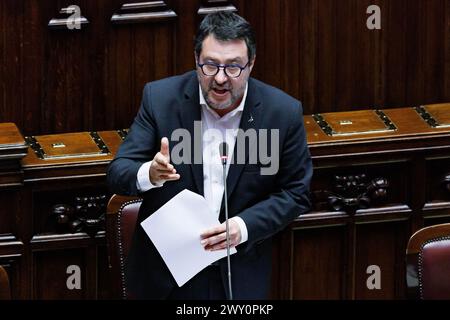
(235, 95)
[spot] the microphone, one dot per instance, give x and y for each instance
(223, 150)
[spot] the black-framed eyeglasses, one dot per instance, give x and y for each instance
(210, 69)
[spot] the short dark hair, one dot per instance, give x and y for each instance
(225, 26)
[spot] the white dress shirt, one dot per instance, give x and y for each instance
(215, 130)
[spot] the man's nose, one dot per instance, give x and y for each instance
(221, 77)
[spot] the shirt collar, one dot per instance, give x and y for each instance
(240, 107)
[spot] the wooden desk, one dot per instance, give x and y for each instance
(379, 177)
(371, 191)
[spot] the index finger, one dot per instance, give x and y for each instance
(165, 146)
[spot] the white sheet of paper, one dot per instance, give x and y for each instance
(175, 230)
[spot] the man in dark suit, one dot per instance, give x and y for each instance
(262, 200)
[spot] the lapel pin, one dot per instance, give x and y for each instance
(250, 119)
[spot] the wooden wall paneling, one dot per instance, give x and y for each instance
(54, 79)
(145, 60)
(381, 245)
(434, 50)
(59, 46)
(308, 47)
(396, 205)
(122, 79)
(290, 58)
(394, 32)
(281, 279)
(95, 42)
(68, 68)
(446, 80)
(3, 114)
(318, 51)
(367, 53)
(25, 227)
(326, 54)
(318, 262)
(36, 14)
(435, 185)
(415, 53)
(272, 31)
(308, 24)
(153, 52)
(144, 52)
(54, 244)
(110, 71)
(349, 260)
(363, 51)
(183, 35)
(9, 205)
(418, 177)
(50, 274)
(103, 281)
(436, 204)
(92, 256)
(346, 60)
(252, 11)
(163, 52)
(9, 222)
(77, 61)
(379, 68)
(53, 256)
(12, 62)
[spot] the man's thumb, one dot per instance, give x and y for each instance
(165, 146)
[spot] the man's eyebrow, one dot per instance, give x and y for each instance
(228, 61)
(233, 60)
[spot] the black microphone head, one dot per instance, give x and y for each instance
(223, 150)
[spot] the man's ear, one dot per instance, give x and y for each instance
(196, 58)
(252, 63)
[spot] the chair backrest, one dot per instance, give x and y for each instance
(5, 290)
(122, 213)
(428, 263)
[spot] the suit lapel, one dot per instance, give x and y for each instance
(250, 120)
(190, 112)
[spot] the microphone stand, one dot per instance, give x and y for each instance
(224, 156)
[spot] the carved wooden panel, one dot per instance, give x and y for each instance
(69, 210)
(312, 276)
(361, 186)
(55, 274)
(379, 260)
(436, 202)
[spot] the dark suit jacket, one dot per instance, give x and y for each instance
(266, 203)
